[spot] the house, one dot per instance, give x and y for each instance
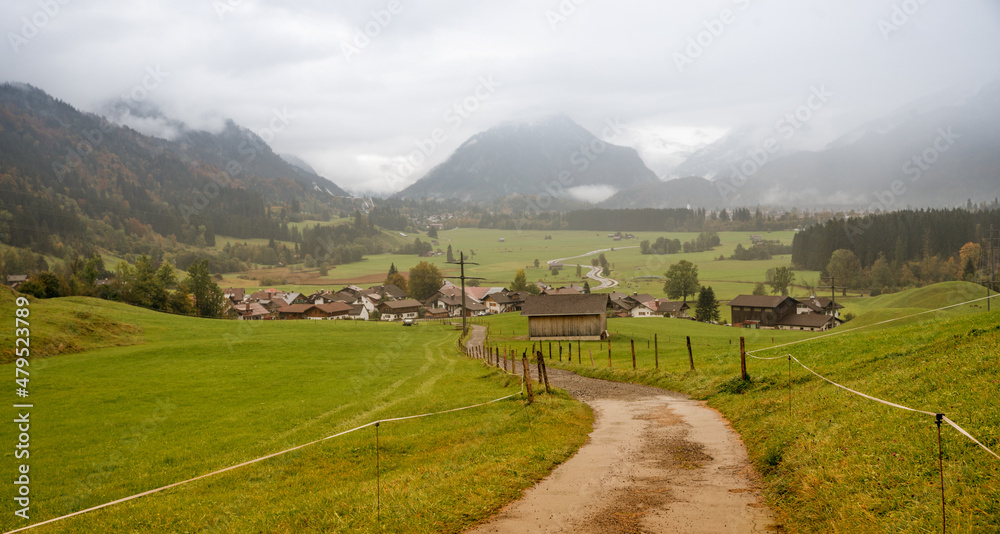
(557, 317)
(397, 310)
(785, 313)
(475, 309)
(763, 311)
(505, 302)
(294, 298)
(435, 313)
(235, 294)
(572, 290)
(821, 305)
(333, 310)
(644, 309)
(811, 322)
(15, 280)
(676, 310)
(388, 292)
(451, 303)
(252, 311)
(359, 313)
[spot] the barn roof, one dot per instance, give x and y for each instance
(541, 305)
(807, 320)
(759, 301)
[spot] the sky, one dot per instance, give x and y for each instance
(355, 90)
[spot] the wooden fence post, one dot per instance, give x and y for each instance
(560, 351)
(609, 357)
(656, 350)
(591, 357)
(545, 371)
(743, 360)
(570, 360)
(633, 355)
(550, 350)
(527, 377)
(690, 355)
(579, 353)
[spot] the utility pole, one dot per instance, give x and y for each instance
(462, 263)
(989, 257)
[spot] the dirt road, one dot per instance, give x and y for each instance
(655, 462)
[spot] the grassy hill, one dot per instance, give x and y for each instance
(199, 395)
(834, 461)
(64, 326)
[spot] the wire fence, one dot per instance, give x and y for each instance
(374, 424)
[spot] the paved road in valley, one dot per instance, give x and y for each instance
(595, 272)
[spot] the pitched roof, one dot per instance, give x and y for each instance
(539, 305)
(759, 301)
(295, 308)
(402, 304)
(511, 297)
(644, 298)
(809, 320)
(338, 308)
(666, 306)
(562, 291)
(819, 303)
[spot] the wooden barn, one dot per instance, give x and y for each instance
(557, 317)
(761, 310)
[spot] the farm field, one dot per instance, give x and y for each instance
(833, 461)
(183, 397)
(498, 261)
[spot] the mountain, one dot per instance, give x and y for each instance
(920, 156)
(937, 151)
(690, 191)
(552, 157)
(74, 179)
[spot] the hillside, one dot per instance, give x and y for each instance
(833, 461)
(687, 192)
(552, 157)
(73, 178)
(67, 326)
(201, 395)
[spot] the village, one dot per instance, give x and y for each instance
(568, 312)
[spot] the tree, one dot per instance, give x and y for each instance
(392, 269)
(432, 233)
(520, 282)
(208, 299)
(398, 280)
(425, 281)
(682, 280)
(536, 263)
(970, 255)
(759, 289)
(44, 285)
(707, 308)
(882, 275)
(180, 301)
(167, 276)
(579, 271)
(451, 255)
(779, 279)
(147, 289)
(586, 287)
(845, 267)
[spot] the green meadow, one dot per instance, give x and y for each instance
(833, 461)
(170, 398)
(498, 261)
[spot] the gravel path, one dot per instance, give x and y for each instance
(656, 461)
